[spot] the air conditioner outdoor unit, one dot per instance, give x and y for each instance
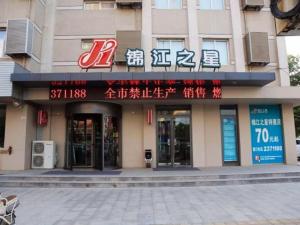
(257, 44)
(253, 5)
(19, 38)
(134, 4)
(43, 155)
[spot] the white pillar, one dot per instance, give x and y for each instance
(245, 135)
(147, 32)
(283, 62)
(193, 29)
(198, 135)
(48, 37)
(149, 133)
(237, 35)
(289, 134)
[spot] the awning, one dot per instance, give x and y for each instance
(226, 78)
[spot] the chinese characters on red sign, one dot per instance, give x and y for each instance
(137, 90)
(170, 89)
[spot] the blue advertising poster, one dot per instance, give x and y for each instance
(229, 140)
(266, 134)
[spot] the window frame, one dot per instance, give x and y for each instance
(2, 51)
(104, 2)
(4, 109)
(214, 43)
(211, 5)
(85, 3)
(170, 41)
(100, 5)
(86, 41)
(168, 5)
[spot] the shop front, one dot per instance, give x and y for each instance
(185, 119)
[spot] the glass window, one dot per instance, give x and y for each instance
(107, 5)
(86, 44)
(168, 4)
(211, 4)
(91, 5)
(96, 5)
(219, 45)
(173, 45)
(2, 125)
(2, 41)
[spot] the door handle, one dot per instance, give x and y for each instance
(168, 141)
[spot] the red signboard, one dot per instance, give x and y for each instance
(149, 116)
(100, 56)
(138, 90)
(42, 118)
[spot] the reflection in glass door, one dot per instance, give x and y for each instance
(174, 142)
(111, 142)
(83, 142)
(182, 143)
(164, 141)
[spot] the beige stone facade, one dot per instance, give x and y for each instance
(61, 27)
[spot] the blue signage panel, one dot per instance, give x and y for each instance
(229, 139)
(266, 134)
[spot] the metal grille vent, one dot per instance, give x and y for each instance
(38, 148)
(38, 161)
(257, 44)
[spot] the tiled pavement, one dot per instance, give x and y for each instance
(266, 204)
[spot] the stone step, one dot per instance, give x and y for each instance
(142, 184)
(118, 178)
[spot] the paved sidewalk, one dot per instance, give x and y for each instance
(234, 205)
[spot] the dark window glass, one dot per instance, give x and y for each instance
(2, 125)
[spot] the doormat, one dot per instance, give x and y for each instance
(87, 173)
(175, 169)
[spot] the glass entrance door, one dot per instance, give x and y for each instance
(111, 142)
(182, 142)
(86, 141)
(164, 141)
(174, 141)
(83, 143)
(230, 135)
(93, 141)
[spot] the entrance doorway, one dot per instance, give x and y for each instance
(86, 140)
(93, 136)
(230, 141)
(173, 137)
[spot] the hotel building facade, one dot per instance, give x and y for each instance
(105, 118)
